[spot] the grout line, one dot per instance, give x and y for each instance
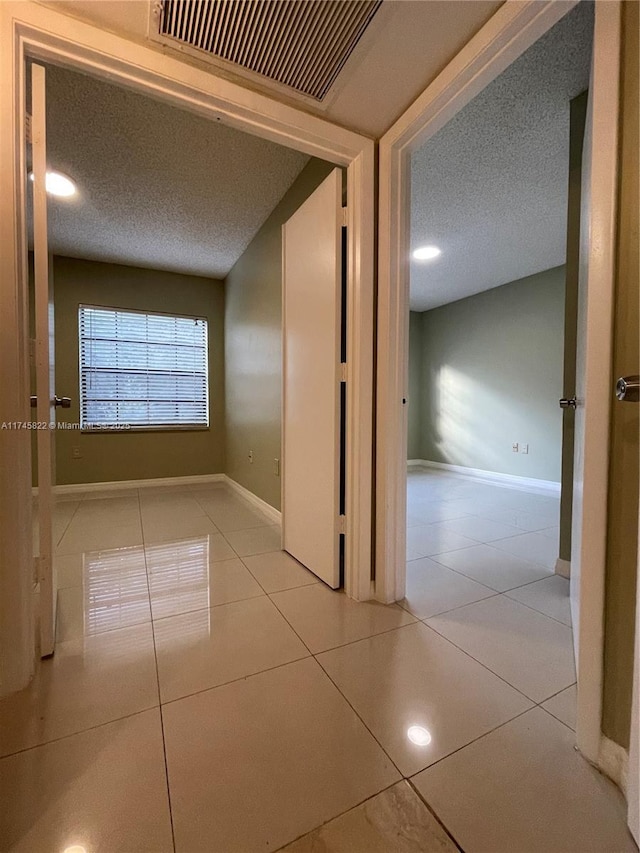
(553, 695)
(384, 751)
(336, 817)
(495, 594)
(61, 537)
(557, 719)
(313, 654)
(315, 657)
(535, 609)
(275, 591)
(235, 680)
(483, 665)
(207, 607)
(435, 559)
(451, 609)
(497, 675)
(155, 659)
(474, 740)
(80, 731)
(489, 545)
(349, 642)
(435, 815)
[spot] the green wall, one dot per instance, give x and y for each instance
(492, 369)
(624, 467)
(253, 347)
(139, 454)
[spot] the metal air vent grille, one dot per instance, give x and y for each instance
(300, 43)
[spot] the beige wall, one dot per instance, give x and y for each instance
(622, 544)
(135, 455)
(253, 347)
(492, 376)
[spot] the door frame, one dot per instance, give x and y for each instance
(28, 29)
(506, 36)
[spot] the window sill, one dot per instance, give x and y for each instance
(137, 429)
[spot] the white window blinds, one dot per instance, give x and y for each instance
(142, 370)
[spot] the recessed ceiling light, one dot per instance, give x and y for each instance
(426, 253)
(58, 184)
(419, 735)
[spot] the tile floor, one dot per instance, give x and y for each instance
(208, 694)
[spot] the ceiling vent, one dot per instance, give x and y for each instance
(302, 44)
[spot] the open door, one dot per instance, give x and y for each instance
(312, 288)
(593, 371)
(44, 366)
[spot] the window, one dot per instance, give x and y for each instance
(142, 370)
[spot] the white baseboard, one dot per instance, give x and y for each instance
(192, 480)
(112, 485)
(511, 481)
(563, 568)
(613, 761)
(263, 506)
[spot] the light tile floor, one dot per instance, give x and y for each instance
(208, 694)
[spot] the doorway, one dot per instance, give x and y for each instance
(439, 104)
(488, 285)
(176, 82)
(171, 291)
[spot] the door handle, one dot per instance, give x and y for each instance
(567, 403)
(62, 402)
(628, 389)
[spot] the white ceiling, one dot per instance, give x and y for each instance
(158, 187)
(408, 43)
(490, 188)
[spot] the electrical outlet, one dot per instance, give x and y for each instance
(524, 448)
(514, 446)
(76, 453)
(251, 457)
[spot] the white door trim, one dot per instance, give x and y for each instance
(30, 29)
(598, 249)
(506, 36)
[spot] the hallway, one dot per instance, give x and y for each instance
(207, 693)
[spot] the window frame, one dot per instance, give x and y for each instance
(137, 428)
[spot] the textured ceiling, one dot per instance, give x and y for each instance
(490, 188)
(402, 51)
(158, 187)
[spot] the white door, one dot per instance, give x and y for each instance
(45, 412)
(593, 380)
(312, 268)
